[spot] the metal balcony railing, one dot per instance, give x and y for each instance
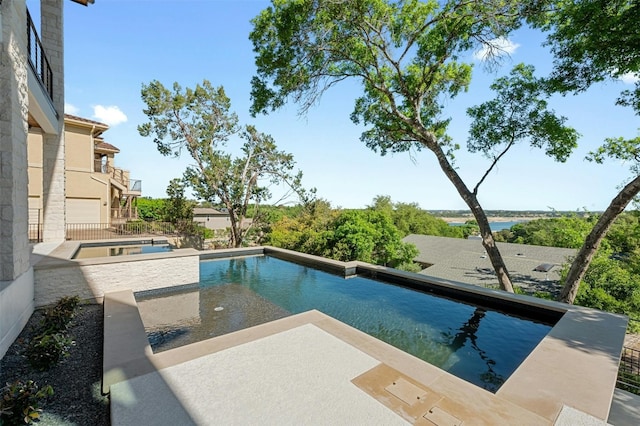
(136, 185)
(37, 58)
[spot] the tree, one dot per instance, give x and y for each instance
(200, 121)
(150, 209)
(409, 218)
(566, 231)
(406, 54)
(366, 235)
(178, 209)
(591, 40)
(594, 41)
(615, 148)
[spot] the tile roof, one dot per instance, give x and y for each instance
(207, 211)
(466, 261)
(104, 146)
(85, 120)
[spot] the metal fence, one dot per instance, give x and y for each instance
(35, 232)
(629, 370)
(104, 231)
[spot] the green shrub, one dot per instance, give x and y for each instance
(58, 317)
(19, 402)
(46, 350)
(206, 233)
(409, 267)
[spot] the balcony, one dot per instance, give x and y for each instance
(123, 214)
(120, 178)
(37, 58)
(40, 82)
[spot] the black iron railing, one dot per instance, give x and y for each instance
(37, 58)
(105, 231)
(35, 232)
(629, 370)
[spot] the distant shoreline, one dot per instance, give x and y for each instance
(491, 219)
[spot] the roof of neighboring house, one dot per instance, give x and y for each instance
(84, 120)
(103, 146)
(456, 259)
(207, 211)
(96, 126)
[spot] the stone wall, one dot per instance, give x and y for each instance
(91, 281)
(16, 276)
(14, 253)
(54, 146)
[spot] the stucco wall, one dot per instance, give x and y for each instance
(79, 149)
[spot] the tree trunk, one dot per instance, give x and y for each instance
(592, 242)
(236, 240)
(478, 213)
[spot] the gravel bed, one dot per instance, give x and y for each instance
(76, 380)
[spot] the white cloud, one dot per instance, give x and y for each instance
(111, 115)
(494, 48)
(630, 78)
(71, 109)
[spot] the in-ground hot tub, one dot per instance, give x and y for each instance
(126, 248)
(89, 268)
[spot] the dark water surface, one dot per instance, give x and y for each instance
(476, 344)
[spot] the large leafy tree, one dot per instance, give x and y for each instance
(200, 121)
(407, 56)
(409, 218)
(150, 209)
(594, 41)
(367, 235)
(591, 40)
(566, 231)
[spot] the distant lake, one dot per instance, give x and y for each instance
(495, 226)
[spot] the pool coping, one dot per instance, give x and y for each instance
(574, 366)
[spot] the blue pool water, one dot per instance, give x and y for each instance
(479, 345)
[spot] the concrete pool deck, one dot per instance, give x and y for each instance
(311, 368)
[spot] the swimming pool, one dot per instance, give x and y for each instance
(91, 250)
(478, 344)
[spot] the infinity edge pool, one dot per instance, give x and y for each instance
(574, 366)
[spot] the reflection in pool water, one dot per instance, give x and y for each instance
(90, 251)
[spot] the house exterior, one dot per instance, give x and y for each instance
(534, 268)
(97, 192)
(211, 218)
(32, 94)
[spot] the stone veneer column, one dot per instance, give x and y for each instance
(14, 248)
(53, 176)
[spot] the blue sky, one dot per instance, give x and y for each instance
(114, 46)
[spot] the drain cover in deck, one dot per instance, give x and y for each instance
(406, 392)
